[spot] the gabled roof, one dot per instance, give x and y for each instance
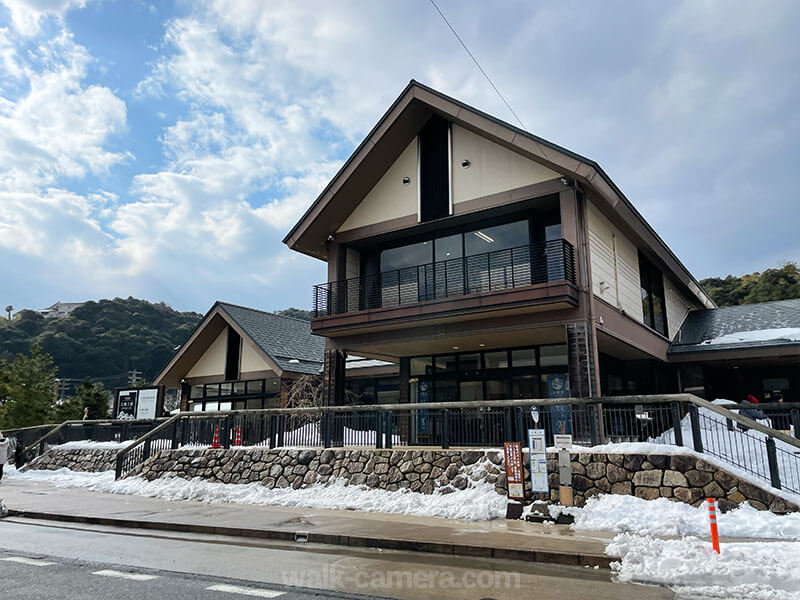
(286, 340)
(762, 325)
(285, 343)
(402, 122)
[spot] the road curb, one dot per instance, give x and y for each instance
(356, 541)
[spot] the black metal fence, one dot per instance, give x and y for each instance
(35, 441)
(756, 449)
(479, 274)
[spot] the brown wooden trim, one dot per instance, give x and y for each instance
(711, 354)
(529, 296)
(411, 226)
(621, 326)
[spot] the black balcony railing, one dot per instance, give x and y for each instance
(479, 274)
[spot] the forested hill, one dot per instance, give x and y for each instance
(102, 340)
(772, 284)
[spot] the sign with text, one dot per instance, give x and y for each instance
(562, 441)
(148, 401)
(514, 471)
(538, 451)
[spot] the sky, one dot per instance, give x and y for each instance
(162, 150)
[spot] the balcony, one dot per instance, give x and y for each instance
(477, 275)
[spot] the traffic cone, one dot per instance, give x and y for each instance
(238, 440)
(215, 439)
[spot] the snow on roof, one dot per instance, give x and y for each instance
(787, 334)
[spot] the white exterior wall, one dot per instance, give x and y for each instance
(251, 361)
(615, 265)
(678, 306)
(213, 360)
(492, 169)
(389, 198)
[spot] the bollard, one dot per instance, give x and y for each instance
(712, 517)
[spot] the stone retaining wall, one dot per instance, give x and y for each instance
(77, 459)
(649, 476)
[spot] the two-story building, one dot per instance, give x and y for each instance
(489, 263)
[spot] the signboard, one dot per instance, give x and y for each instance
(538, 451)
(126, 404)
(514, 471)
(560, 415)
(148, 401)
(562, 441)
(138, 403)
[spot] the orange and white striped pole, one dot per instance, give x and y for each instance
(712, 517)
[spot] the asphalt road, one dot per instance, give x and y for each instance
(49, 560)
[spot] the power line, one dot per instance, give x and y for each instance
(477, 64)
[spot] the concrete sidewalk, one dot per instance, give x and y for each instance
(514, 540)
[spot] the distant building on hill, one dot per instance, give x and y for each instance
(59, 309)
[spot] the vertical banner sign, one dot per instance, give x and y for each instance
(423, 423)
(560, 415)
(538, 451)
(514, 471)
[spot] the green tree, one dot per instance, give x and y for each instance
(772, 284)
(27, 389)
(89, 395)
(297, 313)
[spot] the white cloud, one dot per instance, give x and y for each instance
(27, 15)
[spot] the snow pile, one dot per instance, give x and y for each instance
(746, 570)
(90, 445)
(478, 502)
(789, 334)
(665, 517)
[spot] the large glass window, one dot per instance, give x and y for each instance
(490, 375)
(654, 309)
(499, 237)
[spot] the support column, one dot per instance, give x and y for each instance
(333, 378)
(582, 367)
(186, 390)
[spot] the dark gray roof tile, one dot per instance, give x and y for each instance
(703, 325)
(286, 340)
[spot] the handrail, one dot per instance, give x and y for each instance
(141, 440)
(59, 427)
(535, 262)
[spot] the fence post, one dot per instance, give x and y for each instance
(772, 459)
(594, 433)
(281, 428)
(378, 429)
(118, 466)
(326, 429)
(675, 410)
(226, 439)
(694, 418)
(389, 429)
(445, 428)
(271, 430)
(508, 430)
(176, 427)
(796, 422)
(146, 450)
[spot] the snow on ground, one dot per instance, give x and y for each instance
(789, 334)
(664, 517)
(744, 570)
(89, 444)
(479, 502)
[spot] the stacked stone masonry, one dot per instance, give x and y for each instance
(677, 477)
(89, 460)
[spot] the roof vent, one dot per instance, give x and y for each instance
(294, 361)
